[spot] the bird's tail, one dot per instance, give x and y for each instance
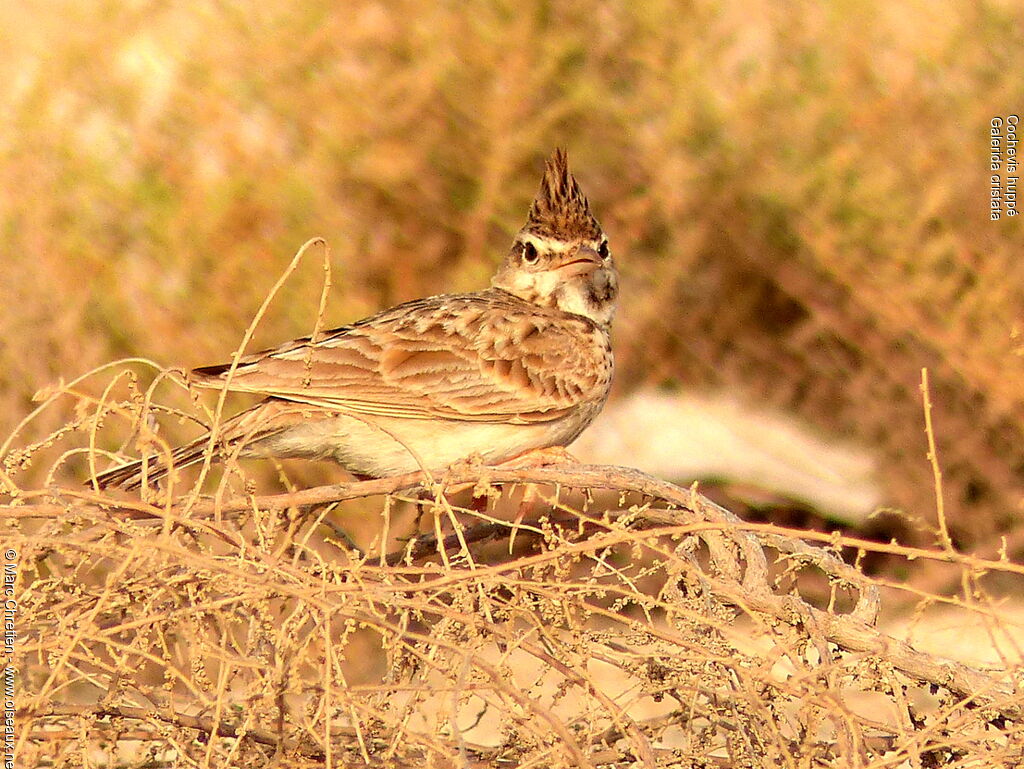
(241, 435)
(154, 468)
(248, 428)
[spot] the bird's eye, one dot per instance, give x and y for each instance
(530, 253)
(602, 249)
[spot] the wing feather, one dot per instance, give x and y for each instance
(485, 357)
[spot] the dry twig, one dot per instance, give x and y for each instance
(653, 592)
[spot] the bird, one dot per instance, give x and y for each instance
(514, 370)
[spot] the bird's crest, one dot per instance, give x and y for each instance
(560, 209)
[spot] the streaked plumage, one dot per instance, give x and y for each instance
(525, 364)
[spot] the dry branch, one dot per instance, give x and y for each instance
(711, 566)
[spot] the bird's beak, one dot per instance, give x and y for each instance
(583, 261)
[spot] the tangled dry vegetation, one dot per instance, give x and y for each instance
(614, 620)
(797, 195)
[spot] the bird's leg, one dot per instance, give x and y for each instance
(427, 497)
(546, 457)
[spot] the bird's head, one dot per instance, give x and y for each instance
(560, 257)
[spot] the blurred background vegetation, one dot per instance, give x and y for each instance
(796, 193)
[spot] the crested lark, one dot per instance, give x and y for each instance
(523, 365)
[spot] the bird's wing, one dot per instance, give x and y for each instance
(473, 357)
